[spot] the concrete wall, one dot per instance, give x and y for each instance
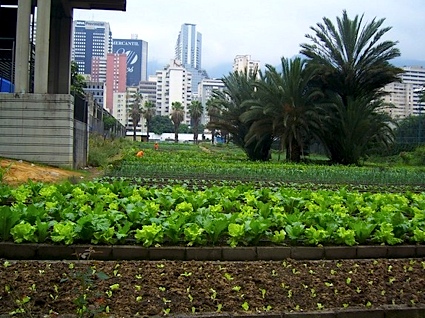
(37, 127)
(80, 144)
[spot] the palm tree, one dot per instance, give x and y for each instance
(213, 111)
(136, 113)
(148, 113)
(351, 130)
(352, 65)
(284, 107)
(230, 103)
(177, 116)
(195, 110)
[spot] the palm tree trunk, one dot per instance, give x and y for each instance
(176, 133)
(195, 134)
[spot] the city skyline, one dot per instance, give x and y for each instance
(265, 32)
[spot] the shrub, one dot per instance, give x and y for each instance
(105, 151)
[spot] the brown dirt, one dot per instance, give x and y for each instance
(147, 288)
(18, 172)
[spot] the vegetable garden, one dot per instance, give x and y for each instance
(186, 195)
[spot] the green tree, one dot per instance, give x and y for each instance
(355, 129)
(161, 124)
(136, 113)
(177, 116)
(184, 129)
(195, 110)
(148, 113)
(78, 83)
(352, 65)
(231, 104)
(284, 107)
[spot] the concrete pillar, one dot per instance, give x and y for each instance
(22, 47)
(41, 70)
(64, 71)
(60, 52)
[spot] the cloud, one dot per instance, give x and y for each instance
(266, 30)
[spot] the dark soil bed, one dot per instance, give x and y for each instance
(148, 288)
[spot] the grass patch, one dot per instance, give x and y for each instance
(103, 152)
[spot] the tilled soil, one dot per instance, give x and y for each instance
(148, 288)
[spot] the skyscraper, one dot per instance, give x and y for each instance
(189, 46)
(90, 39)
(116, 66)
(189, 53)
(137, 58)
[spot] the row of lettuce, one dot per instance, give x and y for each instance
(120, 212)
(197, 164)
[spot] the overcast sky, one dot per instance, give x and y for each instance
(264, 29)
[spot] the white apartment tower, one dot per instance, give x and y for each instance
(173, 85)
(244, 62)
(405, 96)
(205, 90)
(123, 104)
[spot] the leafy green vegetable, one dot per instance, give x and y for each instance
(345, 236)
(362, 230)
(23, 232)
(64, 232)
(295, 230)
(194, 234)
(149, 234)
(278, 237)
(42, 230)
(385, 234)
(8, 218)
(419, 235)
(236, 232)
(316, 236)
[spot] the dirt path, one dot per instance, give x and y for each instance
(16, 172)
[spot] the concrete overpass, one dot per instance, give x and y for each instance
(37, 120)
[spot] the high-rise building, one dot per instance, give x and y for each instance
(137, 58)
(116, 69)
(189, 53)
(174, 84)
(98, 69)
(148, 89)
(120, 111)
(90, 39)
(405, 96)
(244, 62)
(96, 90)
(205, 89)
(189, 46)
